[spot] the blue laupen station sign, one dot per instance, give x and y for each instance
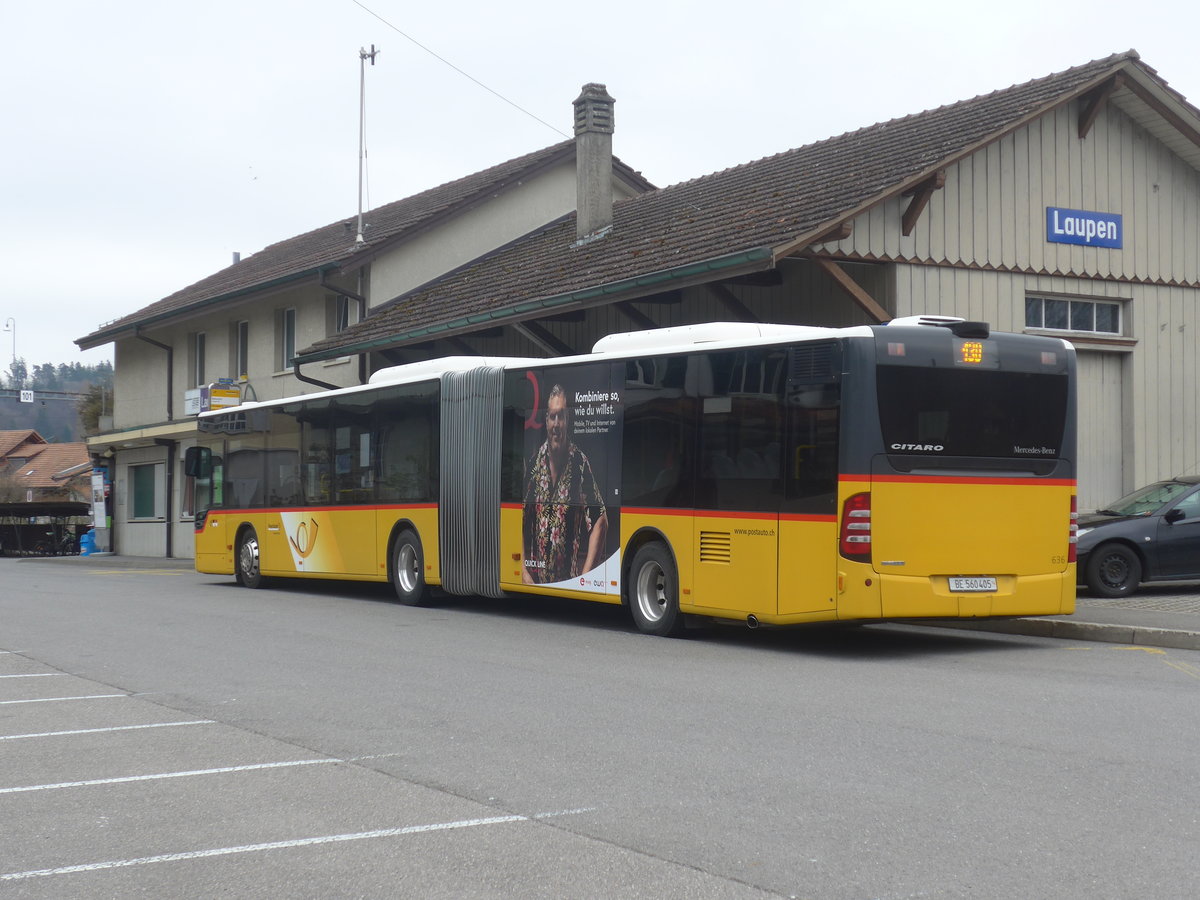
(1079, 226)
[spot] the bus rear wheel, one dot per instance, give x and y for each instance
(247, 560)
(408, 569)
(654, 592)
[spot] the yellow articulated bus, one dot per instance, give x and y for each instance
(765, 473)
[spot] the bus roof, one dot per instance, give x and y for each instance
(649, 342)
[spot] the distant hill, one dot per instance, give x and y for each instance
(57, 390)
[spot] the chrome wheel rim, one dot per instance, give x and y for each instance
(407, 572)
(651, 590)
(248, 558)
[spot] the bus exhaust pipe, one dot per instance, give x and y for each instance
(751, 621)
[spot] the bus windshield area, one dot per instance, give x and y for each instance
(952, 412)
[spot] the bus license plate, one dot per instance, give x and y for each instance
(967, 585)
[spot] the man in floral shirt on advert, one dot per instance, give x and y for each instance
(565, 520)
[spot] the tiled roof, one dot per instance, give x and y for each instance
(761, 208)
(11, 440)
(47, 460)
(332, 246)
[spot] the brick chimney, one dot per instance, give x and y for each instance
(593, 161)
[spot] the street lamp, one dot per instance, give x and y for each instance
(11, 325)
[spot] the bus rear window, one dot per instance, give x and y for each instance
(970, 413)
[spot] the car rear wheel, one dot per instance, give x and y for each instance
(1113, 570)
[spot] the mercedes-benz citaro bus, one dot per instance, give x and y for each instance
(770, 474)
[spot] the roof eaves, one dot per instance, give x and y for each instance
(130, 328)
(529, 308)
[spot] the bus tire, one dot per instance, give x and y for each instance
(408, 569)
(247, 561)
(654, 591)
(1113, 570)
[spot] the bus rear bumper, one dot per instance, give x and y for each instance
(930, 597)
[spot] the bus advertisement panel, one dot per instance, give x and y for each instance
(571, 503)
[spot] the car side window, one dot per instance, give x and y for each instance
(1190, 506)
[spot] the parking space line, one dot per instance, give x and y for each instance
(125, 779)
(283, 845)
(41, 734)
(57, 699)
(35, 675)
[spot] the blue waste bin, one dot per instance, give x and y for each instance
(87, 543)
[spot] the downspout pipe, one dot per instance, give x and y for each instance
(302, 377)
(362, 314)
(170, 371)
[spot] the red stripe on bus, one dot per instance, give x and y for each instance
(960, 479)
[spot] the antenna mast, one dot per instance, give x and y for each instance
(363, 56)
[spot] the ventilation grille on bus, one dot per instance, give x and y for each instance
(813, 362)
(716, 547)
(469, 513)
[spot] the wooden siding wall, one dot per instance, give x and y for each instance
(992, 210)
(1158, 422)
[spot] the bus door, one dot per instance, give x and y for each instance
(736, 526)
(808, 532)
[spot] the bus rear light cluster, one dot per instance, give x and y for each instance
(856, 527)
(1073, 535)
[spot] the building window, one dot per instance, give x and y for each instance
(340, 313)
(196, 354)
(241, 350)
(285, 338)
(146, 491)
(1053, 314)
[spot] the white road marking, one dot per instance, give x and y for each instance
(35, 675)
(283, 845)
(40, 734)
(128, 778)
(56, 699)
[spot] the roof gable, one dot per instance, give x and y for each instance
(10, 441)
(750, 215)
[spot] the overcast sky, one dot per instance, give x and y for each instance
(147, 141)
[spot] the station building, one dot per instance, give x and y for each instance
(1067, 205)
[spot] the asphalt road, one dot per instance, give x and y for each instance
(164, 734)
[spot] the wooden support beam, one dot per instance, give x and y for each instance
(837, 233)
(635, 315)
(920, 197)
(852, 288)
(1092, 102)
(548, 342)
(728, 299)
(1185, 127)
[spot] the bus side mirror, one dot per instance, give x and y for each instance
(197, 462)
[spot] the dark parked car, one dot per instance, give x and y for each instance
(1151, 535)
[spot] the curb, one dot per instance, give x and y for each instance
(1084, 631)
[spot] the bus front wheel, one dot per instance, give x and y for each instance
(654, 592)
(408, 570)
(247, 568)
